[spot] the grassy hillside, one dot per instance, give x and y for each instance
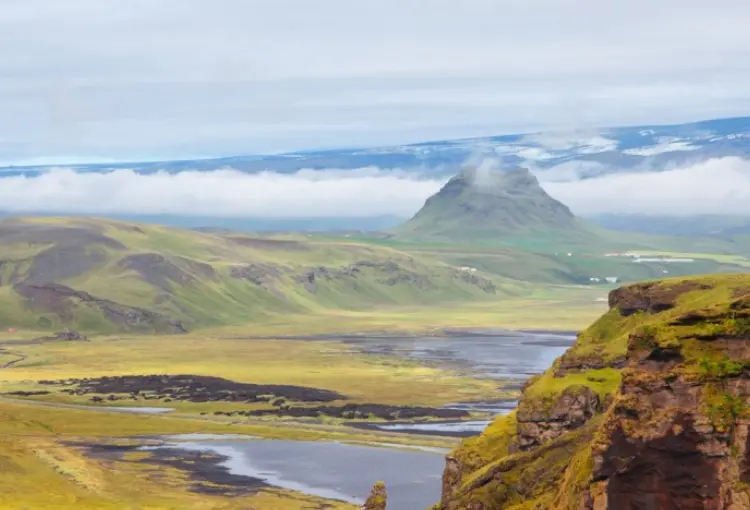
(104, 275)
(557, 259)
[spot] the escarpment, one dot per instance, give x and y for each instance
(649, 409)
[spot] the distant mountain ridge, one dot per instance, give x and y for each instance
(599, 151)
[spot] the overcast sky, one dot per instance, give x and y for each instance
(152, 79)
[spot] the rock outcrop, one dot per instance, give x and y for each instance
(650, 409)
(539, 423)
(378, 498)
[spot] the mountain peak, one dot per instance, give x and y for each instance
(486, 179)
(483, 201)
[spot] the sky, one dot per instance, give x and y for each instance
(123, 80)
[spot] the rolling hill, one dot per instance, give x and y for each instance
(101, 275)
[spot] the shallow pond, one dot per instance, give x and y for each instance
(330, 470)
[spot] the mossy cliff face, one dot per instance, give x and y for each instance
(649, 409)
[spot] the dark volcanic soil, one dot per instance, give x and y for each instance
(162, 272)
(204, 468)
(192, 388)
(62, 300)
(356, 411)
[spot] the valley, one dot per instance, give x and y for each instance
(292, 370)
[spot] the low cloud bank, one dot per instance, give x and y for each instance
(221, 193)
(715, 186)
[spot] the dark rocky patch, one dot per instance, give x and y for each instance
(269, 244)
(668, 472)
(571, 362)
(69, 335)
(389, 273)
(64, 261)
(27, 393)
(259, 274)
(539, 423)
(162, 272)
(262, 275)
(205, 469)
(356, 412)
(474, 279)
(62, 301)
(650, 298)
(191, 388)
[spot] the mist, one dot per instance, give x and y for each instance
(715, 186)
(221, 193)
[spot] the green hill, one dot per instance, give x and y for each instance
(101, 275)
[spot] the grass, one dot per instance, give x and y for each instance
(217, 298)
(316, 364)
(40, 469)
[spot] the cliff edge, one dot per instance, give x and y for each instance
(649, 409)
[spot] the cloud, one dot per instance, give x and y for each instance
(716, 186)
(157, 79)
(221, 193)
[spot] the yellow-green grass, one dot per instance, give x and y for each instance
(554, 308)
(326, 365)
(40, 468)
(216, 298)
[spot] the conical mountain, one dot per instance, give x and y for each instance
(486, 203)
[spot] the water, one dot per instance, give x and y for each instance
(330, 470)
(346, 472)
(502, 355)
(134, 409)
(511, 355)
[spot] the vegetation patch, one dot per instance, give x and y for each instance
(353, 411)
(191, 388)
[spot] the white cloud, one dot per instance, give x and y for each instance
(221, 193)
(660, 149)
(716, 186)
(132, 79)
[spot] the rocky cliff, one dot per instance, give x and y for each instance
(648, 410)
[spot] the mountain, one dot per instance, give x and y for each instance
(649, 409)
(100, 276)
(590, 152)
(484, 204)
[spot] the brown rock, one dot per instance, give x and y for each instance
(378, 497)
(539, 423)
(652, 297)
